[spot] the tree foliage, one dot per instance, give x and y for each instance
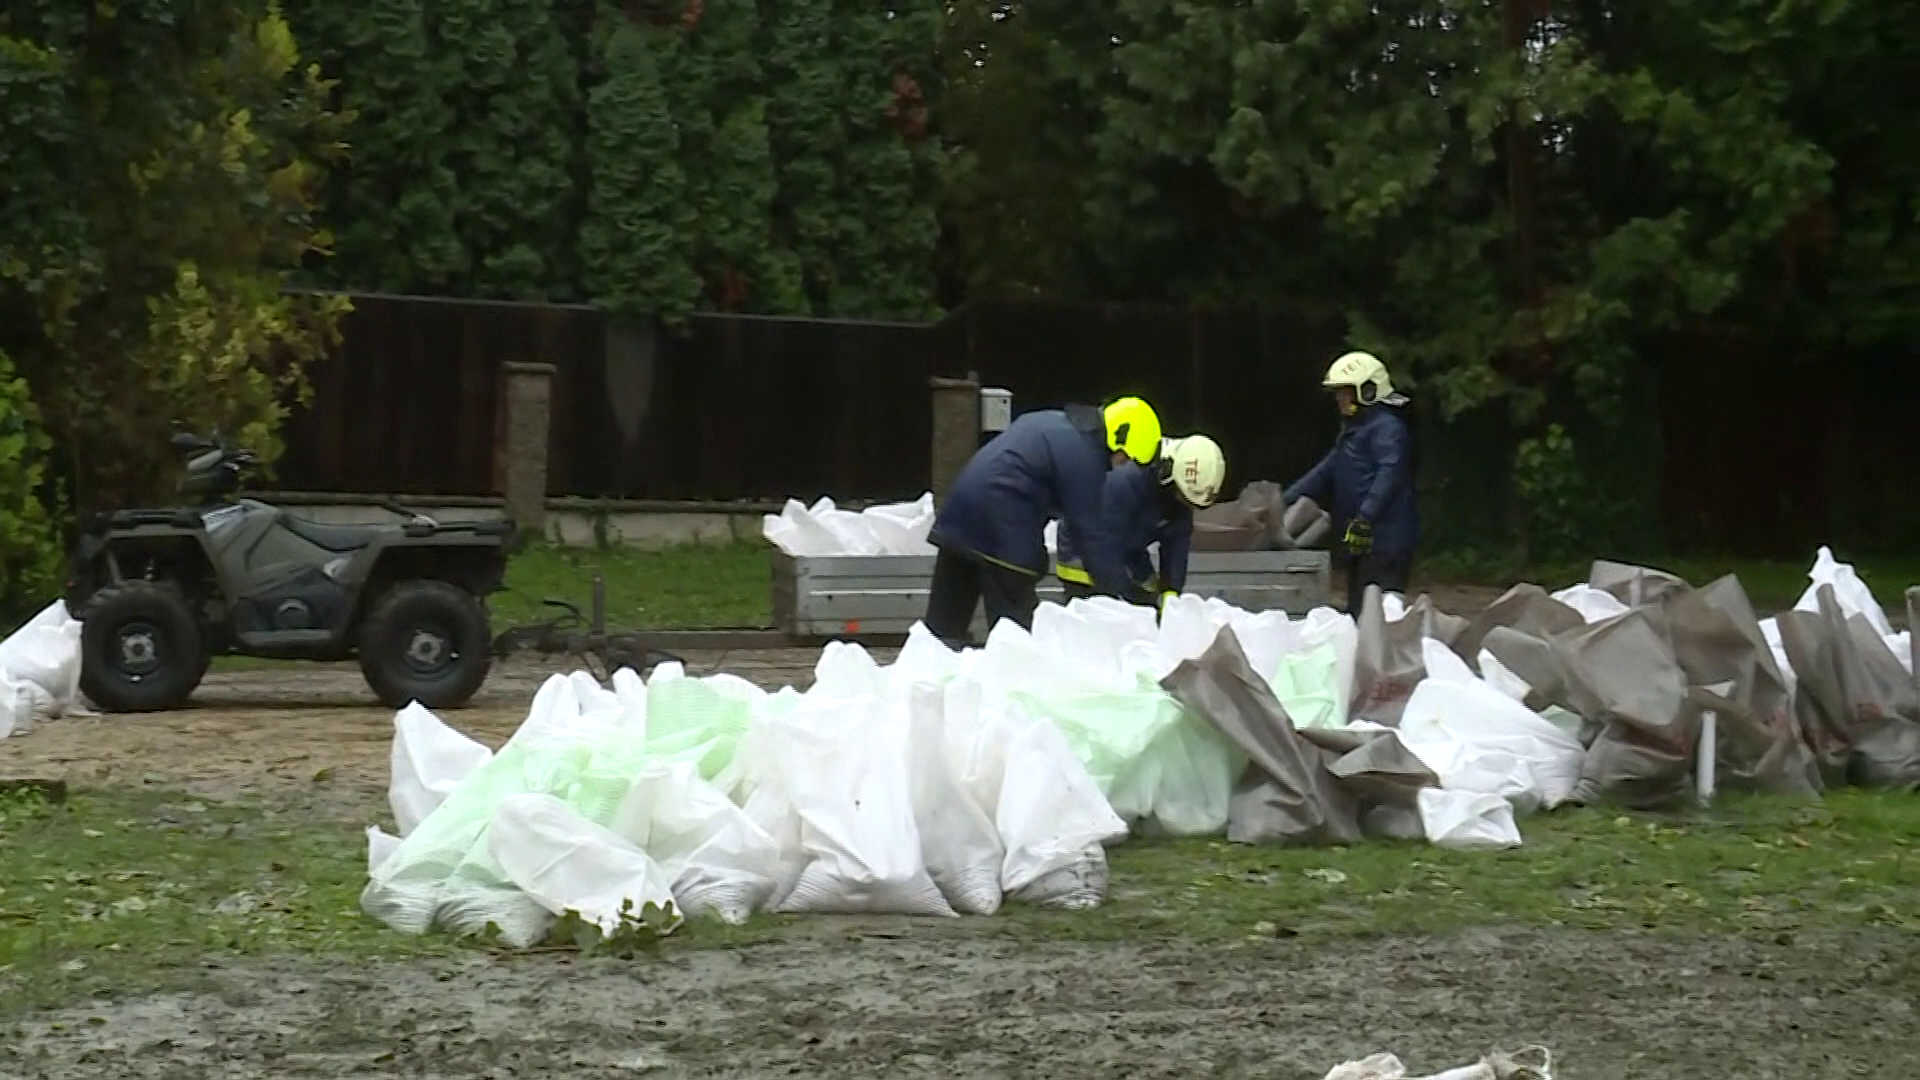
(1521, 205)
(164, 157)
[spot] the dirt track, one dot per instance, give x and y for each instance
(874, 997)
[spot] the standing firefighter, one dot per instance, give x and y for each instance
(991, 530)
(1366, 480)
(1147, 505)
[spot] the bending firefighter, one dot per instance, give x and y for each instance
(1146, 505)
(990, 530)
(1366, 481)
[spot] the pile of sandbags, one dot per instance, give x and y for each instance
(1260, 519)
(824, 529)
(946, 782)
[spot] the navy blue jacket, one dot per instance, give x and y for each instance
(1048, 464)
(1139, 510)
(1368, 474)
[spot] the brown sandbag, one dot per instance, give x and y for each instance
(1387, 660)
(1621, 676)
(1287, 795)
(1526, 608)
(1718, 644)
(1856, 703)
(1634, 585)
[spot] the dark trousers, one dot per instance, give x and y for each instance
(1388, 570)
(961, 583)
(1078, 590)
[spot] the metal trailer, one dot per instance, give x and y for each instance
(865, 595)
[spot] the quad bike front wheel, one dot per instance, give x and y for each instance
(141, 648)
(425, 641)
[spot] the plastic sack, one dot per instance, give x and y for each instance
(1325, 626)
(380, 846)
(1497, 676)
(824, 530)
(44, 653)
(843, 769)
(20, 703)
(717, 859)
(958, 842)
(1467, 819)
(566, 863)
(1053, 820)
(1848, 590)
(1592, 604)
(428, 761)
(1477, 739)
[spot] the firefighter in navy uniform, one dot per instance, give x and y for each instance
(1146, 505)
(990, 532)
(1366, 481)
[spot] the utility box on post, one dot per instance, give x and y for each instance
(996, 412)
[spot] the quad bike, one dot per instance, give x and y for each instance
(160, 592)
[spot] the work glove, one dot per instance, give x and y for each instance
(1359, 538)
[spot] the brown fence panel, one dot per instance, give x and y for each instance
(409, 403)
(745, 407)
(1249, 379)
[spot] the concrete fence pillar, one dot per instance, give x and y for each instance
(956, 429)
(528, 396)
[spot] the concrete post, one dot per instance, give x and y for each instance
(956, 429)
(529, 391)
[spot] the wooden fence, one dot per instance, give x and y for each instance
(749, 408)
(744, 407)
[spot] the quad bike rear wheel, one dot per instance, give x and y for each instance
(425, 641)
(141, 648)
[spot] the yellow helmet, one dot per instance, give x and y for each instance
(1133, 428)
(1364, 373)
(1196, 468)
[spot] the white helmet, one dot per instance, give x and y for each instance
(1364, 373)
(1195, 467)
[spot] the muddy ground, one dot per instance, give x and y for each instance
(875, 999)
(880, 997)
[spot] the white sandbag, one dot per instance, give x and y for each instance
(958, 841)
(718, 860)
(1053, 820)
(924, 658)
(1770, 629)
(44, 653)
(566, 863)
(1393, 607)
(1325, 626)
(824, 530)
(1477, 739)
(843, 768)
(1498, 676)
(847, 670)
(20, 701)
(1467, 819)
(976, 741)
(429, 759)
(1852, 594)
(1594, 605)
(1090, 635)
(380, 846)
